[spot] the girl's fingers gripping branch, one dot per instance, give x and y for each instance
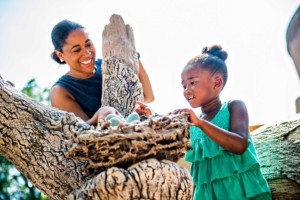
(192, 116)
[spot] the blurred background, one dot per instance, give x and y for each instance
(167, 34)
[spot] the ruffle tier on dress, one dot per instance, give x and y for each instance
(221, 174)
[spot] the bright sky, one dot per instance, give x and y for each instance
(168, 33)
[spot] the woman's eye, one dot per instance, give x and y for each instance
(77, 50)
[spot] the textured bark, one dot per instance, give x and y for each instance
(159, 137)
(41, 141)
(143, 180)
(33, 137)
(278, 148)
(120, 69)
(66, 158)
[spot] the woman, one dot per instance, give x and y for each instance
(79, 91)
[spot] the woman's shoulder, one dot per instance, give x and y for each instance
(61, 81)
(59, 92)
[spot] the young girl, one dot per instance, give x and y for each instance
(224, 161)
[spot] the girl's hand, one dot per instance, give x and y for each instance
(192, 116)
(142, 109)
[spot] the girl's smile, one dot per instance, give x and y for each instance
(197, 81)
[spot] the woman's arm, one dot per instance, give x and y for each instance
(147, 88)
(62, 99)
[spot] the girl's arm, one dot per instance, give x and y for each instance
(147, 88)
(234, 140)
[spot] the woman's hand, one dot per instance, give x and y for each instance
(102, 113)
(142, 109)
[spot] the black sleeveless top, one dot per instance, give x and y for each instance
(87, 92)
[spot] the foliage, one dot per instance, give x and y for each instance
(13, 185)
(33, 90)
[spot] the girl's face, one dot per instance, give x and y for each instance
(198, 86)
(79, 53)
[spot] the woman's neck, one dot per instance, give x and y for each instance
(210, 109)
(81, 75)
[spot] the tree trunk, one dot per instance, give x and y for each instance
(278, 148)
(66, 158)
(120, 69)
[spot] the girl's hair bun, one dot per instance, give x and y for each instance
(215, 50)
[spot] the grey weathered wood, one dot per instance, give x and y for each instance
(158, 137)
(149, 179)
(45, 144)
(120, 69)
(278, 148)
(33, 137)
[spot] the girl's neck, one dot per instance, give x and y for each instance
(210, 109)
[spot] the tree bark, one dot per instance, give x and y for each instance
(45, 145)
(66, 158)
(278, 148)
(120, 69)
(36, 139)
(33, 138)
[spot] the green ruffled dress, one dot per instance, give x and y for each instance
(221, 174)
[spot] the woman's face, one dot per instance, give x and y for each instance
(79, 53)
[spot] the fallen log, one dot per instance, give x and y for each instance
(278, 148)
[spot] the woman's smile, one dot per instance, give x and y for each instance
(87, 62)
